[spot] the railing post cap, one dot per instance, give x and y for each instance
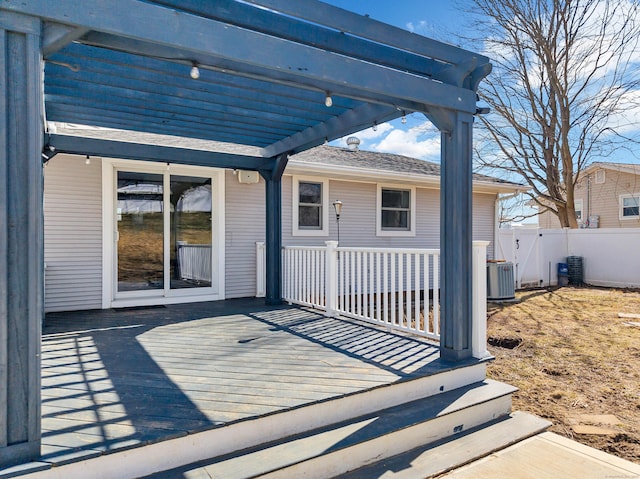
(481, 243)
(331, 244)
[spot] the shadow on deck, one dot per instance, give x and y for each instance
(115, 379)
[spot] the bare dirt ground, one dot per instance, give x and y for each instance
(576, 362)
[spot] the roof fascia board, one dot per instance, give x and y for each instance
(376, 176)
(614, 167)
(164, 27)
(134, 151)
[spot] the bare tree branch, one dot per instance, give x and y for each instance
(566, 76)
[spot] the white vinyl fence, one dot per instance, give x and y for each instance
(611, 256)
(396, 288)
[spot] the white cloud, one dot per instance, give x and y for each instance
(417, 27)
(422, 142)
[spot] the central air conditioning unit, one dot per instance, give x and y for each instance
(500, 282)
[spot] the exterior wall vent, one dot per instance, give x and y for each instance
(500, 282)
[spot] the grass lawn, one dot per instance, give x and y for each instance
(576, 362)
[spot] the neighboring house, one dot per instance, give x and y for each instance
(607, 196)
(108, 242)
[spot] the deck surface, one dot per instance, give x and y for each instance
(114, 379)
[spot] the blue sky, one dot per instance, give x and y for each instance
(433, 18)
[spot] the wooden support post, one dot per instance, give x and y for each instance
(273, 263)
(21, 237)
(455, 232)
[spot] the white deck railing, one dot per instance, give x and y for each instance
(396, 288)
(194, 261)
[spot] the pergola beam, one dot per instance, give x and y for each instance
(349, 122)
(134, 151)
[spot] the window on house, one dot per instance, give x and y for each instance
(600, 177)
(578, 207)
(310, 214)
(310, 205)
(629, 206)
(396, 211)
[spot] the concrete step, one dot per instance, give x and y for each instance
(444, 456)
(339, 448)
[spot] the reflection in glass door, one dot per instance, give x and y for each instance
(140, 223)
(190, 237)
(164, 232)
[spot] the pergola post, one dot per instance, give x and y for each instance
(455, 233)
(273, 263)
(21, 237)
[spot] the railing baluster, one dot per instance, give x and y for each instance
(378, 287)
(425, 302)
(416, 294)
(409, 290)
(385, 282)
(340, 280)
(372, 288)
(393, 289)
(400, 290)
(436, 294)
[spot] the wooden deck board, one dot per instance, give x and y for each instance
(115, 379)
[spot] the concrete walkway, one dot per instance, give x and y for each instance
(548, 455)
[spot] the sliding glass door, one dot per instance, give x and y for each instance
(164, 233)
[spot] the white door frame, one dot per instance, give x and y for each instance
(110, 296)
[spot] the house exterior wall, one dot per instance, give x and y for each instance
(602, 200)
(73, 228)
(73, 233)
(358, 217)
(245, 224)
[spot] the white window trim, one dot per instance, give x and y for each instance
(110, 297)
(621, 204)
(412, 213)
(578, 206)
(296, 231)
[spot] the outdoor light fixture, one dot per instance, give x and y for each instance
(337, 206)
(375, 126)
(404, 118)
(87, 160)
(328, 101)
(195, 71)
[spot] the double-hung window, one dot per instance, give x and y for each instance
(577, 204)
(630, 207)
(310, 213)
(396, 211)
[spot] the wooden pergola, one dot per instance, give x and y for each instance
(278, 75)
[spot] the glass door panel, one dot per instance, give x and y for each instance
(190, 232)
(140, 226)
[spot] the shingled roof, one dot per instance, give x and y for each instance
(370, 160)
